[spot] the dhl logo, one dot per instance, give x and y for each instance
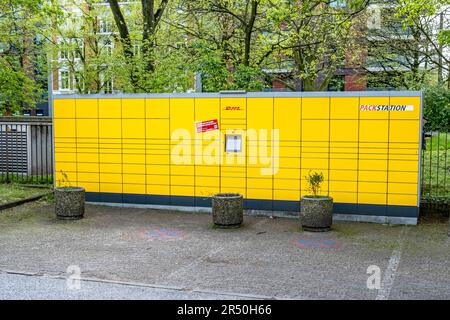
(232, 108)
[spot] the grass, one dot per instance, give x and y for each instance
(10, 192)
(436, 166)
(26, 179)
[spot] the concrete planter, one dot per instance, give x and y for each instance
(316, 213)
(227, 210)
(69, 202)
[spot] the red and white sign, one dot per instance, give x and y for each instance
(205, 126)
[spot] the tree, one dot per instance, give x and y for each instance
(314, 35)
(22, 69)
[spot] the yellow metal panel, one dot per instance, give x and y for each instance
(87, 177)
(110, 158)
(157, 108)
(207, 181)
(401, 165)
(315, 164)
(157, 169)
(109, 108)
(182, 115)
(286, 195)
(373, 131)
(406, 177)
(402, 188)
(260, 114)
(344, 197)
(406, 101)
(182, 181)
(133, 128)
(259, 194)
(110, 128)
(64, 128)
(89, 186)
(133, 178)
(344, 108)
(158, 179)
(287, 115)
(289, 151)
(315, 108)
(343, 186)
(368, 175)
(64, 108)
(65, 157)
(133, 168)
(373, 101)
(343, 175)
(372, 198)
(344, 130)
(402, 200)
(347, 164)
(133, 108)
(259, 183)
(375, 165)
(111, 187)
(292, 173)
(209, 171)
(133, 158)
(315, 130)
(86, 108)
(66, 166)
(88, 167)
(157, 129)
(134, 188)
(87, 157)
(227, 182)
(289, 162)
(207, 109)
(181, 190)
(156, 189)
(372, 187)
(87, 128)
(158, 159)
(111, 177)
(182, 170)
(288, 184)
(111, 168)
(404, 131)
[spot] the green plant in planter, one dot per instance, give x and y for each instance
(315, 180)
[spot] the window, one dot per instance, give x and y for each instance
(64, 54)
(233, 143)
(105, 26)
(64, 77)
(107, 47)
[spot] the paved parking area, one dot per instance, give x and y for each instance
(185, 254)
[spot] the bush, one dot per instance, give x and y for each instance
(437, 108)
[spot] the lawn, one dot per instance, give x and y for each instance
(436, 167)
(13, 192)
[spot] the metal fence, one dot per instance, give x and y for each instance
(435, 182)
(26, 150)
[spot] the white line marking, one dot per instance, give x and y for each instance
(391, 270)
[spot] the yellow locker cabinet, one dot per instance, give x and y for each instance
(180, 149)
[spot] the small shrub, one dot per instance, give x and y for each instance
(315, 180)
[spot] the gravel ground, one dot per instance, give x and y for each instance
(182, 256)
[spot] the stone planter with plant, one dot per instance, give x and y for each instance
(227, 210)
(69, 201)
(316, 211)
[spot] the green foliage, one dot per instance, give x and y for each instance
(437, 108)
(314, 180)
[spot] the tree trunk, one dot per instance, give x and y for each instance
(248, 32)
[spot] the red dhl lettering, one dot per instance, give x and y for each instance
(232, 108)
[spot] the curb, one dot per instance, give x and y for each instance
(16, 203)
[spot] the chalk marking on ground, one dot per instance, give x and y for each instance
(391, 270)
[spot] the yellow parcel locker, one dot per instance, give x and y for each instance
(64, 108)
